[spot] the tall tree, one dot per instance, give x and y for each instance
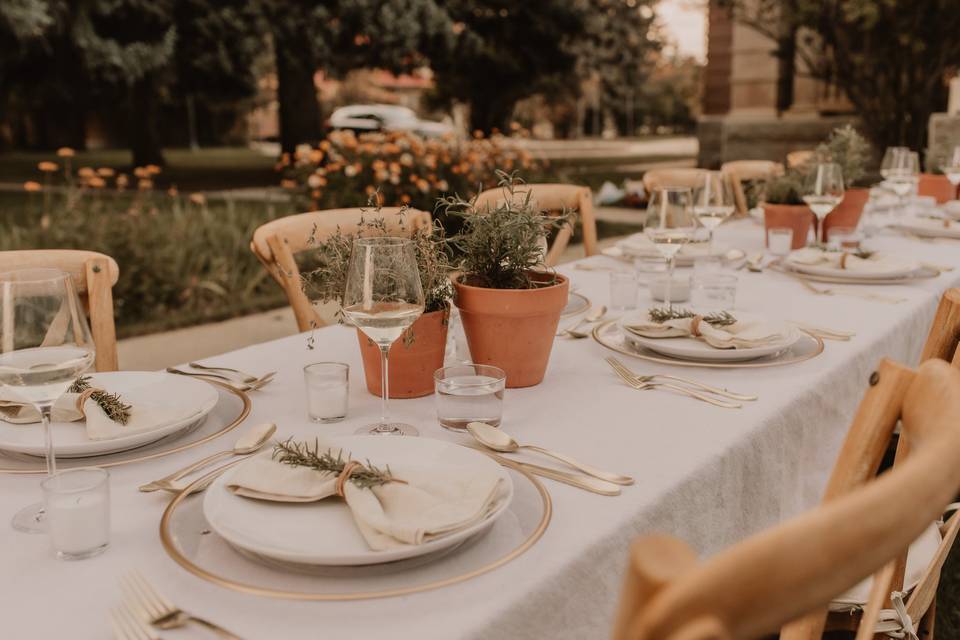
(890, 57)
(337, 36)
(503, 50)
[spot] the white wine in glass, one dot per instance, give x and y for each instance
(712, 203)
(45, 345)
(823, 192)
(383, 297)
(669, 225)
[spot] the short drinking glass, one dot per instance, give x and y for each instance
(328, 386)
(712, 292)
(469, 393)
(623, 290)
(77, 512)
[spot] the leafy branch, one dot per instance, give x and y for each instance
(301, 454)
(664, 314)
(111, 403)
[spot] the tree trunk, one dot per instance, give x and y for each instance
(297, 95)
(145, 122)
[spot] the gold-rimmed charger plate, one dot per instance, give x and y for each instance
(232, 409)
(576, 303)
(922, 273)
(610, 336)
(190, 542)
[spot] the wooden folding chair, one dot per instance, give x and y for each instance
(276, 244)
(740, 171)
(797, 567)
(944, 335)
(552, 199)
(94, 275)
(657, 178)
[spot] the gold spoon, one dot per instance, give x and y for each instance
(594, 316)
(498, 440)
(248, 443)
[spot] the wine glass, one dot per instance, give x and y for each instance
(45, 345)
(951, 167)
(712, 203)
(823, 191)
(383, 297)
(669, 225)
(892, 161)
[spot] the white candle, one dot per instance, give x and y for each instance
(327, 400)
(78, 524)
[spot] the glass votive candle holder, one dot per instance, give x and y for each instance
(77, 511)
(780, 240)
(469, 393)
(649, 267)
(843, 238)
(623, 290)
(712, 292)
(707, 264)
(328, 385)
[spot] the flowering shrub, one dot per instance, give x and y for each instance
(183, 259)
(346, 169)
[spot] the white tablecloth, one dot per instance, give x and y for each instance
(710, 476)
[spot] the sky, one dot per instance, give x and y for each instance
(686, 23)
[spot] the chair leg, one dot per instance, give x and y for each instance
(928, 621)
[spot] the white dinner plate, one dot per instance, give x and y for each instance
(901, 270)
(70, 438)
(700, 351)
(323, 532)
(930, 227)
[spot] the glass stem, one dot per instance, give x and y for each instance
(384, 385)
(45, 413)
(709, 242)
(666, 290)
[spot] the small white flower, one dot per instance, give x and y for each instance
(350, 171)
(314, 181)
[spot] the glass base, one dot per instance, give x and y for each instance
(82, 555)
(388, 429)
(30, 519)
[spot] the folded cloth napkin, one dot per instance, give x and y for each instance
(424, 504)
(747, 332)
(877, 262)
(145, 414)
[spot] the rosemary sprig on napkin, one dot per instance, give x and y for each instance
(300, 454)
(111, 403)
(663, 314)
(859, 252)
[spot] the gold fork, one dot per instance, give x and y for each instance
(127, 626)
(629, 378)
(717, 391)
(160, 612)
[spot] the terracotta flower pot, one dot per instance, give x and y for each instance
(793, 216)
(937, 186)
(416, 354)
(512, 328)
(847, 214)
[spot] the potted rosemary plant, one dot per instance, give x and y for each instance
(847, 148)
(510, 303)
(420, 349)
(783, 206)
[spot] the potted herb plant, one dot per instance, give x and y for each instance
(420, 349)
(783, 206)
(509, 302)
(847, 148)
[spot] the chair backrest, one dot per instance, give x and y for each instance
(551, 199)
(740, 171)
(937, 186)
(94, 275)
(944, 335)
(799, 158)
(276, 243)
(690, 178)
(778, 575)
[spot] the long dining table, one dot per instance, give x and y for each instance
(707, 475)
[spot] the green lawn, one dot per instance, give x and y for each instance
(206, 169)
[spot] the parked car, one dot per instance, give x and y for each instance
(385, 117)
